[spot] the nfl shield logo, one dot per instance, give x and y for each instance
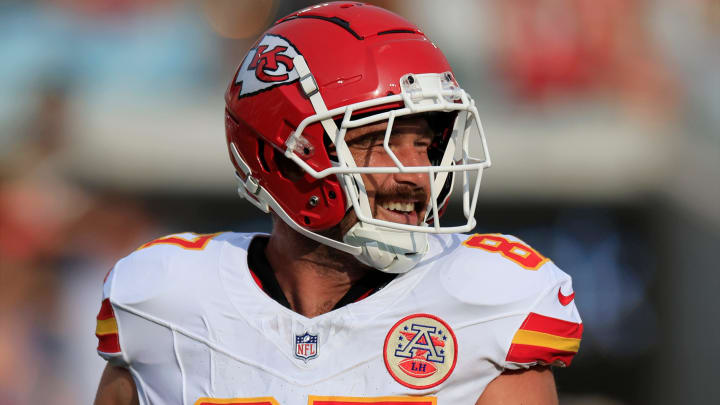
(306, 346)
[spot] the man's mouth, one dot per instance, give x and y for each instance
(403, 207)
(402, 212)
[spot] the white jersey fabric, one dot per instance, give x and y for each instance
(185, 316)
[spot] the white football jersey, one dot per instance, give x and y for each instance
(184, 314)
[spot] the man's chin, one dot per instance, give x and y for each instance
(350, 219)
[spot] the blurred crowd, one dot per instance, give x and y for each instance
(57, 240)
(61, 228)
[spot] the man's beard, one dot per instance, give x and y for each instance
(396, 193)
(402, 193)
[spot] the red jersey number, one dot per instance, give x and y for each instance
(518, 252)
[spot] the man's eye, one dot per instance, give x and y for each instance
(370, 142)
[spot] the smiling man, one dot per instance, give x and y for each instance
(345, 123)
(398, 197)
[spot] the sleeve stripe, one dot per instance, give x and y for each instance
(546, 340)
(106, 310)
(553, 326)
(109, 344)
(106, 327)
(526, 354)
(533, 338)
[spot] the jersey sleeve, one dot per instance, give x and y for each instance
(148, 293)
(136, 279)
(551, 331)
(107, 327)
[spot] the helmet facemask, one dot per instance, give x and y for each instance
(390, 246)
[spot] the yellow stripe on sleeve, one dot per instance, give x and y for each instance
(106, 327)
(534, 338)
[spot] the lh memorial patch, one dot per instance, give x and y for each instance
(420, 351)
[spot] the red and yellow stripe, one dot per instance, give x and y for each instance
(107, 329)
(546, 340)
(407, 400)
(237, 401)
(197, 243)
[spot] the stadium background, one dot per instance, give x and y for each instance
(603, 120)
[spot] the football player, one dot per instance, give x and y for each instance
(347, 125)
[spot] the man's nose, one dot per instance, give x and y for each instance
(409, 156)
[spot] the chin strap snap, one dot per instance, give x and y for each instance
(388, 250)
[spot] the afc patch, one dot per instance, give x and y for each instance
(306, 346)
(267, 65)
(420, 351)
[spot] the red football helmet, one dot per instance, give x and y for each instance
(319, 72)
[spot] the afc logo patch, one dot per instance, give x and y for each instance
(306, 346)
(268, 65)
(420, 351)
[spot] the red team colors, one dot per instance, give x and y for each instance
(347, 124)
(194, 327)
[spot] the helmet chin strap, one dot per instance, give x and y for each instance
(399, 252)
(388, 250)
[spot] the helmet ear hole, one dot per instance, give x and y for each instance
(261, 155)
(286, 167)
(330, 148)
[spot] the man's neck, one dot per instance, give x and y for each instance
(313, 276)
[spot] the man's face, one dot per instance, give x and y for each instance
(394, 197)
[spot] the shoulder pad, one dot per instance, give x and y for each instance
(499, 277)
(157, 285)
(154, 266)
(494, 269)
(186, 240)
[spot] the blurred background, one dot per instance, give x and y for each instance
(602, 116)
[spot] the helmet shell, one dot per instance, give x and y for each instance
(356, 52)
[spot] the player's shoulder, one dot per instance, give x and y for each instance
(495, 267)
(523, 300)
(173, 252)
(188, 243)
(168, 262)
(491, 255)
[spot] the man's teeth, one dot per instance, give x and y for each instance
(399, 206)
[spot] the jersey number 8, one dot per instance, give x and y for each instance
(518, 252)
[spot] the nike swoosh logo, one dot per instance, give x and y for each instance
(565, 299)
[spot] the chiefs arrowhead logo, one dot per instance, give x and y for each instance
(269, 64)
(420, 351)
(565, 299)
